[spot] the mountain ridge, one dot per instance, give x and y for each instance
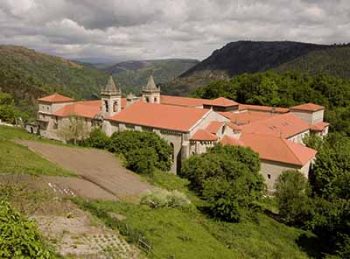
(258, 56)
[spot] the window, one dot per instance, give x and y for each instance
(147, 99)
(223, 129)
(115, 106)
(269, 176)
(155, 99)
(106, 105)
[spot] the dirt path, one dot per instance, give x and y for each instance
(61, 186)
(96, 166)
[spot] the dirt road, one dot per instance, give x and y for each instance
(97, 166)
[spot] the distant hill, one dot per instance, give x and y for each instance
(248, 57)
(334, 60)
(132, 75)
(27, 75)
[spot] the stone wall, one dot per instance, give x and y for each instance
(270, 170)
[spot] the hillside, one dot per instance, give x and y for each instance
(132, 75)
(27, 74)
(334, 61)
(248, 57)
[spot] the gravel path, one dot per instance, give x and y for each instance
(96, 166)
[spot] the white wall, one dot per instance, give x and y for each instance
(271, 170)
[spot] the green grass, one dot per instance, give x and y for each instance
(7, 133)
(265, 238)
(172, 233)
(191, 234)
(18, 159)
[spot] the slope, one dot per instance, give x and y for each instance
(27, 74)
(334, 61)
(132, 75)
(248, 57)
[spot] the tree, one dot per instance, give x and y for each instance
(135, 142)
(292, 197)
(8, 111)
(97, 139)
(331, 172)
(141, 160)
(227, 177)
(74, 130)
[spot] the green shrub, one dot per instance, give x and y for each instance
(139, 143)
(19, 237)
(165, 199)
(97, 139)
(292, 197)
(228, 178)
(141, 160)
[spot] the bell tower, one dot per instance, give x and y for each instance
(151, 93)
(111, 98)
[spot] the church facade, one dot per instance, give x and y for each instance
(191, 125)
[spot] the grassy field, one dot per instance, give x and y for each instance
(176, 233)
(17, 159)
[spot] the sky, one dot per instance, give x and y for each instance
(119, 30)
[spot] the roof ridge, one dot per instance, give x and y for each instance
(288, 142)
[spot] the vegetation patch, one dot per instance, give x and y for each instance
(165, 199)
(19, 237)
(17, 159)
(143, 151)
(228, 178)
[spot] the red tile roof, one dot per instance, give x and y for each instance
(203, 135)
(309, 107)
(227, 140)
(319, 126)
(160, 116)
(247, 116)
(233, 126)
(283, 125)
(182, 101)
(278, 149)
(87, 109)
(55, 98)
(214, 126)
(222, 101)
(196, 102)
(261, 108)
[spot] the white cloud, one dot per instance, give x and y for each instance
(144, 29)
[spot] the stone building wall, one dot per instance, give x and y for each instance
(270, 170)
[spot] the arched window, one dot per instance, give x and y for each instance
(147, 99)
(115, 106)
(106, 105)
(155, 99)
(223, 129)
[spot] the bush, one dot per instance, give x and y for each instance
(138, 143)
(292, 197)
(97, 139)
(331, 223)
(19, 237)
(165, 199)
(228, 178)
(331, 172)
(141, 160)
(143, 151)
